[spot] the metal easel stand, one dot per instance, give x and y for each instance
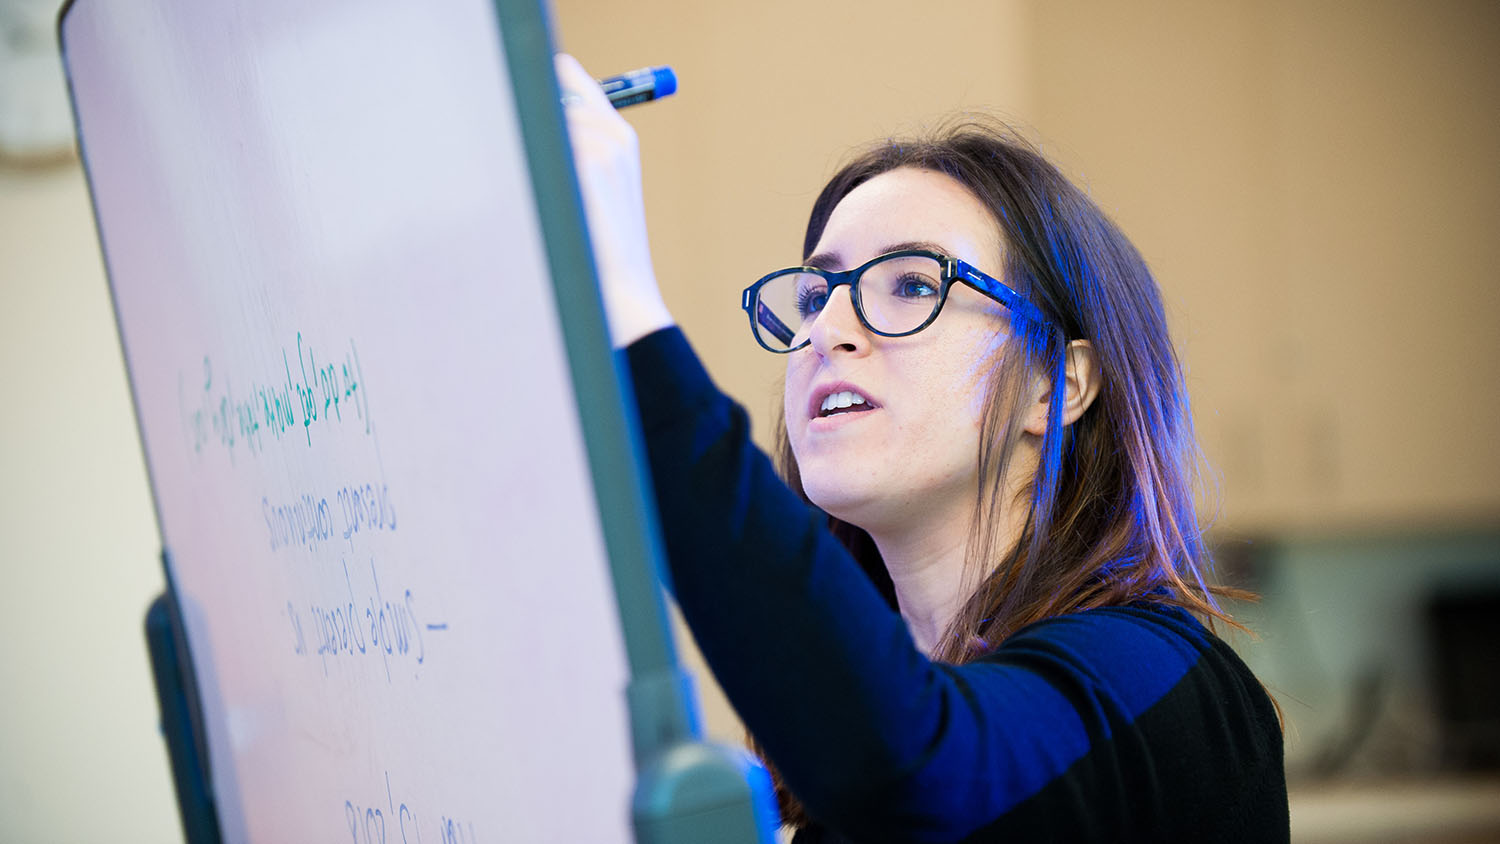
(181, 717)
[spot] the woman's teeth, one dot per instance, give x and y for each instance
(838, 401)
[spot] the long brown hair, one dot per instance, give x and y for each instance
(1110, 513)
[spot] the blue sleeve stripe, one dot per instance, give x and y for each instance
(1078, 678)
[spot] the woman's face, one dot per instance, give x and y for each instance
(909, 453)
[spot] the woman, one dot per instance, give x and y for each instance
(997, 640)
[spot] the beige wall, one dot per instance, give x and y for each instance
(1317, 187)
(80, 756)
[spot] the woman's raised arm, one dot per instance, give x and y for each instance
(607, 157)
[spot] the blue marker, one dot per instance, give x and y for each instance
(639, 86)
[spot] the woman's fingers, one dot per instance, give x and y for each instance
(578, 87)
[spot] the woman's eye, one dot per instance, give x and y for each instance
(810, 302)
(915, 287)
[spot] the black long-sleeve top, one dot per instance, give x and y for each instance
(1116, 724)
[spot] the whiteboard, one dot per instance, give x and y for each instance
(355, 401)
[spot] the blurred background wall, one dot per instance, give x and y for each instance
(1315, 185)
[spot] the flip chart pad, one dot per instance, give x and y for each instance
(356, 405)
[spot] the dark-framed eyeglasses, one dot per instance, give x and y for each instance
(894, 295)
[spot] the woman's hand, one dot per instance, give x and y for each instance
(607, 157)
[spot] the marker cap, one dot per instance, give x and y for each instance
(666, 81)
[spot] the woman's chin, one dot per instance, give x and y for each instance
(847, 502)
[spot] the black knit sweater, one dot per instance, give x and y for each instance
(1117, 724)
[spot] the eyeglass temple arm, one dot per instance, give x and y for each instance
(770, 322)
(1015, 302)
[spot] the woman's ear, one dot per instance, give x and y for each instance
(1081, 380)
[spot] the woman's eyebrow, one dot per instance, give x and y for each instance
(823, 261)
(914, 244)
(831, 260)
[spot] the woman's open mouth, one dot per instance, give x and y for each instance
(844, 401)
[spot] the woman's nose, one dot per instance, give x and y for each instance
(837, 326)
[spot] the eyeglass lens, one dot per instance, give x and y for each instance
(894, 296)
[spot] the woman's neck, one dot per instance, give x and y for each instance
(926, 558)
(927, 569)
